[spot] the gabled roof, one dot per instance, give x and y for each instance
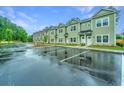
(73, 21)
(52, 27)
(61, 25)
(108, 11)
(85, 20)
(46, 29)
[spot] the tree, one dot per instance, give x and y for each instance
(10, 31)
(30, 38)
(45, 38)
(8, 34)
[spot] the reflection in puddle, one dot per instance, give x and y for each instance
(106, 66)
(58, 66)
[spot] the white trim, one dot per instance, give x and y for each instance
(101, 19)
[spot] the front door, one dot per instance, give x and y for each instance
(83, 40)
(89, 40)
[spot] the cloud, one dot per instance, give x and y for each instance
(118, 7)
(23, 15)
(85, 9)
(1, 12)
(22, 23)
(38, 27)
(90, 15)
(8, 12)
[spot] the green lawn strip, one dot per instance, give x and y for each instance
(108, 47)
(9, 42)
(62, 44)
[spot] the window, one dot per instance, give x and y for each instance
(52, 40)
(88, 24)
(105, 38)
(89, 37)
(60, 30)
(73, 39)
(105, 22)
(82, 37)
(60, 39)
(73, 28)
(102, 22)
(98, 23)
(99, 38)
(52, 32)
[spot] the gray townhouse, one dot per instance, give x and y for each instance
(100, 29)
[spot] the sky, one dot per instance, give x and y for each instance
(35, 18)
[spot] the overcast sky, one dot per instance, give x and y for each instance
(35, 18)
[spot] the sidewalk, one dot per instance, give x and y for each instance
(96, 49)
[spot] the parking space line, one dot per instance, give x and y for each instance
(74, 56)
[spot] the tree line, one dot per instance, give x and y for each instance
(11, 32)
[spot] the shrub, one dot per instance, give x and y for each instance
(120, 42)
(82, 44)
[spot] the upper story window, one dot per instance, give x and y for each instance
(73, 28)
(99, 23)
(102, 22)
(52, 32)
(105, 22)
(60, 30)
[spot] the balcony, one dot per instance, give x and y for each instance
(85, 32)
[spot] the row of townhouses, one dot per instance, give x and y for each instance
(97, 30)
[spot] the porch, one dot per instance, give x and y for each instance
(85, 37)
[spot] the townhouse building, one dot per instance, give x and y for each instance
(100, 29)
(61, 30)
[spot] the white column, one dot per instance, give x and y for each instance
(122, 82)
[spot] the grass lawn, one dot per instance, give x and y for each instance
(66, 44)
(9, 42)
(93, 46)
(107, 47)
